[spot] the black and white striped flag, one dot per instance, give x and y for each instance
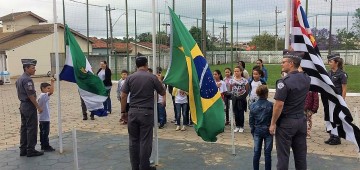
(337, 115)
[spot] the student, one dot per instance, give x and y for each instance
(123, 116)
(181, 104)
(239, 88)
(254, 82)
(161, 105)
(227, 94)
(260, 119)
(44, 117)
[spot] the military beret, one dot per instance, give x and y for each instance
(333, 56)
(28, 62)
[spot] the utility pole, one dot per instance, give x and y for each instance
(107, 34)
(87, 28)
(112, 51)
(276, 27)
(203, 28)
(330, 36)
(136, 40)
(127, 37)
(232, 34)
(224, 39)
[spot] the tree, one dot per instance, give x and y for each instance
(266, 42)
(347, 39)
(356, 24)
(322, 39)
(196, 34)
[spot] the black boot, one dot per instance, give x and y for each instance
(33, 152)
(85, 117)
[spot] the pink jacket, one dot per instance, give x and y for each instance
(312, 101)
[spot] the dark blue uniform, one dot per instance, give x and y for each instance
(291, 125)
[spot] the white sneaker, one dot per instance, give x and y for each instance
(241, 130)
(236, 129)
(177, 128)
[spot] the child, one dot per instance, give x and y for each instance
(227, 94)
(161, 105)
(260, 119)
(181, 104)
(123, 117)
(44, 117)
(311, 107)
(254, 82)
(239, 88)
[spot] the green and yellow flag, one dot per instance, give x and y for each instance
(190, 72)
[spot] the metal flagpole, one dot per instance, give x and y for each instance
(156, 142)
(56, 50)
(287, 24)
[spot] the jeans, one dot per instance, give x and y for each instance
(181, 110)
(161, 114)
(107, 103)
(262, 134)
(44, 133)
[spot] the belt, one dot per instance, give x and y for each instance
(292, 116)
(147, 108)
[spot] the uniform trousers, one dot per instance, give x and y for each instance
(29, 126)
(291, 132)
(140, 129)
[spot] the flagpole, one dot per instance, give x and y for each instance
(56, 50)
(287, 23)
(156, 145)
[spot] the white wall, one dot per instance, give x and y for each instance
(40, 50)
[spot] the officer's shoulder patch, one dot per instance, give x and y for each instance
(280, 85)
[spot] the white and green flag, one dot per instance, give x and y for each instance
(77, 69)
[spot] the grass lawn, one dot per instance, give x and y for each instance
(274, 74)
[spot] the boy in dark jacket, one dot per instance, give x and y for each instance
(260, 119)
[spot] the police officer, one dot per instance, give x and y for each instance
(339, 79)
(288, 116)
(28, 106)
(141, 86)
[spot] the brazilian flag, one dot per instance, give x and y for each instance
(190, 72)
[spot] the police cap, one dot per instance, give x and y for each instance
(333, 56)
(27, 62)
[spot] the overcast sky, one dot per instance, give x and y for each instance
(246, 13)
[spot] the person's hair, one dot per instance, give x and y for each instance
(44, 85)
(340, 62)
(295, 57)
(262, 91)
(25, 66)
(227, 68)
(141, 61)
(257, 69)
(219, 73)
(124, 71)
(241, 69)
(242, 63)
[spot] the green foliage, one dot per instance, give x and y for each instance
(266, 42)
(196, 34)
(347, 39)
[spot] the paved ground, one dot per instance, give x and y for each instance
(177, 149)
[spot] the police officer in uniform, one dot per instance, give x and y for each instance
(339, 79)
(289, 119)
(141, 86)
(28, 110)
